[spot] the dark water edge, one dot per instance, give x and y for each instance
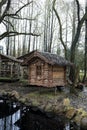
(7, 123)
(9, 114)
(13, 118)
(34, 121)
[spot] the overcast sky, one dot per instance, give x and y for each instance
(80, 1)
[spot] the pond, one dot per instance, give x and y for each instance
(12, 118)
(7, 123)
(9, 114)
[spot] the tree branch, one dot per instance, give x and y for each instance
(18, 17)
(9, 24)
(15, 15)
(2, 3)
(11, 33)
(22, 7)
(79, 30)
(5, 11)
(78, 10)
(60, 27)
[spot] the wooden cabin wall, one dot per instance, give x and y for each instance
(33, 78)
(10, 69)
(47, 76)
(41, 80)
(59, 77)
(32, 74)
(51, 76)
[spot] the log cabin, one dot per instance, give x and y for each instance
(9, 66)
(45, 69)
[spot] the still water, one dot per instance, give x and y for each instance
(7, 123)
(31, 121)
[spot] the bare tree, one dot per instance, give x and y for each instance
(48, 26)
(76, 36)
(12, 15)
(75, 41)
(60, 29)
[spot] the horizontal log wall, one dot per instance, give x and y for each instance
(46, 75)
(59, 78)
(50, 76)
(39, 80)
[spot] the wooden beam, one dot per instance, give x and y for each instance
(21, 70)
(11, 70)
(18, 70)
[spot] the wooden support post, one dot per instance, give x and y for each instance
(55, 96)
(21, 71)
(55, 90)
(11, 70)
(18, 70)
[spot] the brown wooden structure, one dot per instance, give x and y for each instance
(24, 67)
(9, 66)
(45, 69)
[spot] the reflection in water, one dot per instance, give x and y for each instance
(35, 121)
(32, 121)
(67, 126)
(7, 123)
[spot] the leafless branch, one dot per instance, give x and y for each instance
(78, 10)
(5, 11)
(14, 33)
(60, 27)
(2, 3)
(18, 17)
(9, 24)
(23, 7)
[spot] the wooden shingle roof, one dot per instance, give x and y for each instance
(7, 58)
(55, 59)
(50, 58)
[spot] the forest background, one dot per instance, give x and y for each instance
(56, 26)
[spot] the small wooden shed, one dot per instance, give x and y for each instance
(9, 66)
(46, 69)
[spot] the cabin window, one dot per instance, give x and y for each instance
(38, 70)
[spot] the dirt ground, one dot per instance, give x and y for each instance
(78, 100)
(22, 88)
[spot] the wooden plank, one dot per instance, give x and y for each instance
(58, 74)
(50, 76)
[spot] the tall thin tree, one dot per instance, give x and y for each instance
(85, 55)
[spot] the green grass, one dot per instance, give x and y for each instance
(46, 95)
(24, 81)
(81, 75)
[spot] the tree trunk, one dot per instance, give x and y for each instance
(30, 25)
(8, 39)
(85, 55)
(73, 47)
(60, 29)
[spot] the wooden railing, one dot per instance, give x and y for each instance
(7, 73)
